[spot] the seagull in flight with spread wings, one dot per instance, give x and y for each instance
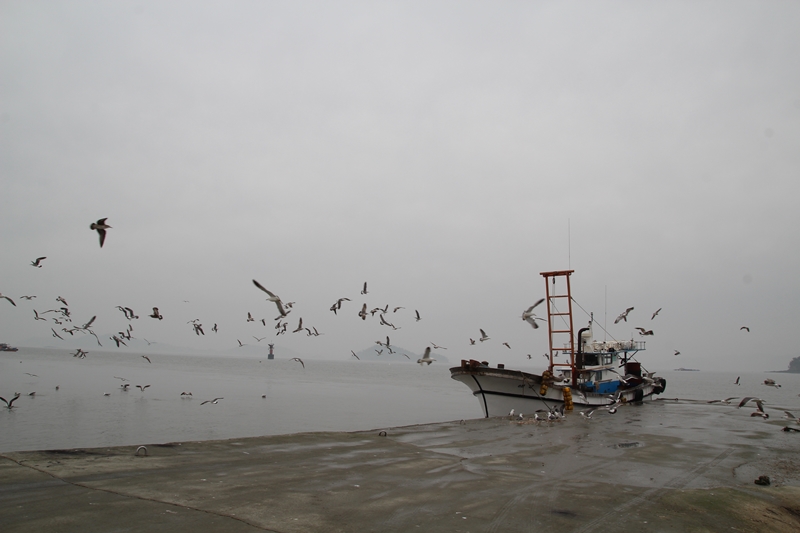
(624, 315)
(272, 298)
(101, 228)
(530, 317)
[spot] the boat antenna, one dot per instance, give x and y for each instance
(605, 311)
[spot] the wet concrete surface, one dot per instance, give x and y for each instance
(662, 466)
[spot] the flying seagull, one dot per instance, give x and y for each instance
(272, 298)
(484, 336)
(677, 352)
(507, 345)
(364, 290)
(101, 228)
(10, 403)
(759, 406)
(643, 331)
(624, 315)
(56, 334)
(354, 355)
(299, 361)
(426, 357)
(656, 313)
(148, 359)
(745, 328)
(38, 262)
(7, 298)
(142, 387)
(530, 317)
(417, 315)
(156, 314)
(214, 401)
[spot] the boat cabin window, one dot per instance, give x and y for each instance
(606, 359)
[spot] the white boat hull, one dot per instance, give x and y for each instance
(501, 390)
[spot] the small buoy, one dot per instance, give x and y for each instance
(141, 448)
(382, 434)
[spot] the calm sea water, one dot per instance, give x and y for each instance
(323, 396)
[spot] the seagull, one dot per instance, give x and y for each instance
(507, 345)
(117, 340)
(7, 298)
(529, 356)
(299, 361)
(426, 358)
(791, 416)
(299, 326)
(257, 339)
(250, 317)
(484, 337)
(587, 414)
(354, 355)
(624, 315)
(186, 394)
(240, 343)
(435, 346)
(379, 352)
(396, 309)
(10, 403)
(726, 401)
(656, 313)
(362, 313)
(28, 297)
(272, 298)
(744, 327)
(56, 334)
(86, 326)
(148, 359)
(214, 401)
(471, 341)
(338, 305)
(737, 380)
(759, 406)
(38, 261)
(214, 329)
(771, 383)
(417, 315)
(80, 354)
(643, 331)
(142, 387)
(156, 314)
(364, 290)
(677, 352)
(530, 317)
(101, 228)
(37, 317)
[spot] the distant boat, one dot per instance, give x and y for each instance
(589, 378)
(681, 369)
(6, 348)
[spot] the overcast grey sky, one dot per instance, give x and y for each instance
(444, 152)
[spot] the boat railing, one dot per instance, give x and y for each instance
(613, 346)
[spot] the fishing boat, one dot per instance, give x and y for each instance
(6, 348)
(594, 373)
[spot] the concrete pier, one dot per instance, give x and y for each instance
(660, 467)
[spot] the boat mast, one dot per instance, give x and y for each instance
(561, 340)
